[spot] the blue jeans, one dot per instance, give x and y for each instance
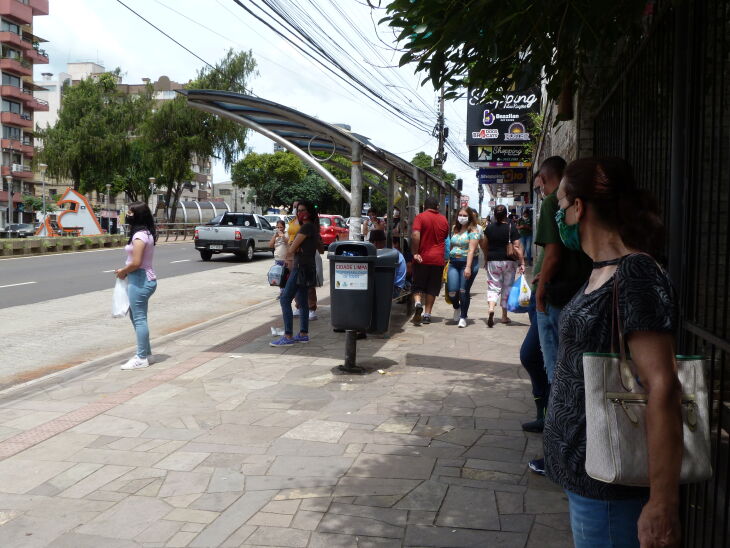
(287, 296)
(547, 325)
(527, 246)
(531, 356)
(139, 290)
(459, 286)
(604, 523)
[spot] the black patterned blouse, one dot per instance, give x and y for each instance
(646, 303)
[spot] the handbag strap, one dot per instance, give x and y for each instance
(628, 375)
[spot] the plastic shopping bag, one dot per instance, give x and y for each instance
(525, 292)
(120, 299)
(514, 301)
(275, 274)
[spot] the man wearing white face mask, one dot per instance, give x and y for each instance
(463, 263)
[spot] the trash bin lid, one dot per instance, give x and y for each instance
(351, 249)
(387, 257)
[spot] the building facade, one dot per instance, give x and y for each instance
(20, 51)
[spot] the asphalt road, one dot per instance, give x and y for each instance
(28, 280)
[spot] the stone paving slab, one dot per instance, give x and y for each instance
(228, 442)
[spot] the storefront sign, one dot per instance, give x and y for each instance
(498, 154)
(500, 121)
(506, 176)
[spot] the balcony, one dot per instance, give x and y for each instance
(18, 170)
(16, 66)
(15, 92)
(18, 11)
(12, 39)
(36, 55)
(23, 120)
(39, 7)
(28, 150)
(38, 105)
(11, 144)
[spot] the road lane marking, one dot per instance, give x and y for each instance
(182, 261)
(16, 285)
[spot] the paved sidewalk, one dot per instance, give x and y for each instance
(229, 442)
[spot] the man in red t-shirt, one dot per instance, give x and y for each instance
(430, 230)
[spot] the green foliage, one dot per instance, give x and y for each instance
(424, 161)
(104, 136)
(499, 46)
(33, 203)
(274, 177)
(89, 143)
(534, 128)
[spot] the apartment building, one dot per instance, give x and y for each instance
(20, 50)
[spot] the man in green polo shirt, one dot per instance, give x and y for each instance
(559, 272)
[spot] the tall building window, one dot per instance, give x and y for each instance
(10, 53)
(10, 106)
(10, 132)
(10, 80)
(7, 26)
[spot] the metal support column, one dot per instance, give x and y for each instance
(417, 192)
(356, 192)
(350, 365)
(389, 210)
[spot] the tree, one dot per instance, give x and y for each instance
(498, 45)
(274, 177)
(425, 162)
(90, 142)
(175, 132)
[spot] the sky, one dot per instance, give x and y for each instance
(106, 32)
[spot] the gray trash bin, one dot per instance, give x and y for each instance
(352, 275)
(386, 264)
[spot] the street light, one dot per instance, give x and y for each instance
(9, 179)
(108, 214)
(152, 191)
(43, 168)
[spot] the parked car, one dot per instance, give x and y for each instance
(332, 228)
(21, 230)
(240, 233)
(275, 218)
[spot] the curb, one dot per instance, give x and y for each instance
(79, 369)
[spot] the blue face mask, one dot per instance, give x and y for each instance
(568, 233)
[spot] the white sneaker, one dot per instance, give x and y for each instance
(312, 316)
(457, 314)
(150, 359)
(462, 322)
(136, 363)
(296, 312)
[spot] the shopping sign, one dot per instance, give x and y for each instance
(498, 153)
(501, 176)
(504, 120)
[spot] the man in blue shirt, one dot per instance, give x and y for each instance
(377, 238)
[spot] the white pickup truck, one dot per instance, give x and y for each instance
(239, 233)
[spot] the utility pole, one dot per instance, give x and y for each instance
(442, 133)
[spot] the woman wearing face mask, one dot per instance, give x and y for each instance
(501, 267)
(603, 213)
(373, 223)
(301, 263)
(141, 278)
(463, 263)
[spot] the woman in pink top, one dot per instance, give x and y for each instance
(141, 278)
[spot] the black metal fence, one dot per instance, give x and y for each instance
(670, 116)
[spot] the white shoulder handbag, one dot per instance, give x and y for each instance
(616, 443)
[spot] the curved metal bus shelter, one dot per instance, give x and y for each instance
(302, 134)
